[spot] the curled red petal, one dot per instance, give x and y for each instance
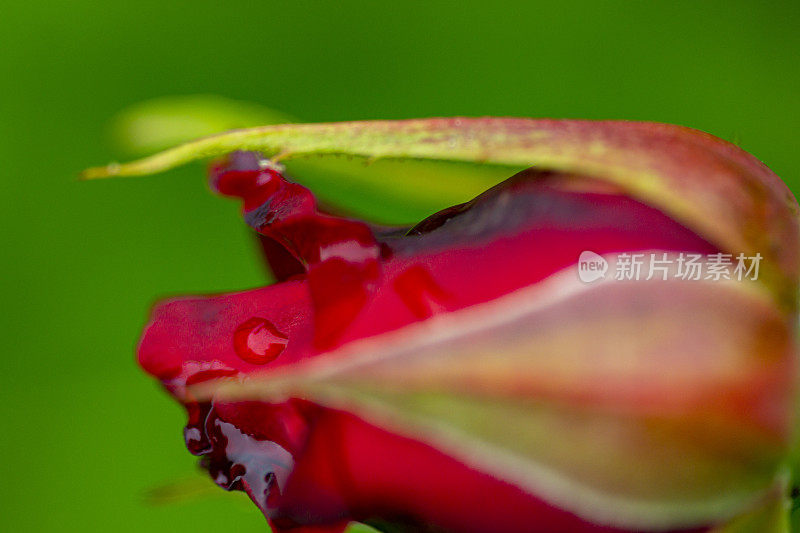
(345, 280)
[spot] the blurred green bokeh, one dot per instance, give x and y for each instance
(85, 434)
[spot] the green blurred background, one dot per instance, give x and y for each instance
(85, 433)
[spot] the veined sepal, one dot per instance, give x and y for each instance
(711, 186)
(675, 416)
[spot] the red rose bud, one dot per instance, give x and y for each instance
(464, 374)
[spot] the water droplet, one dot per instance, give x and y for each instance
(242, 462)
(258, 341)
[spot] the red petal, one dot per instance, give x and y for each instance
(359, 282)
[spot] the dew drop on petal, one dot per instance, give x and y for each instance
(258, 341)
(240, 461)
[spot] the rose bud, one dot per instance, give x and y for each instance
(460, 374)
